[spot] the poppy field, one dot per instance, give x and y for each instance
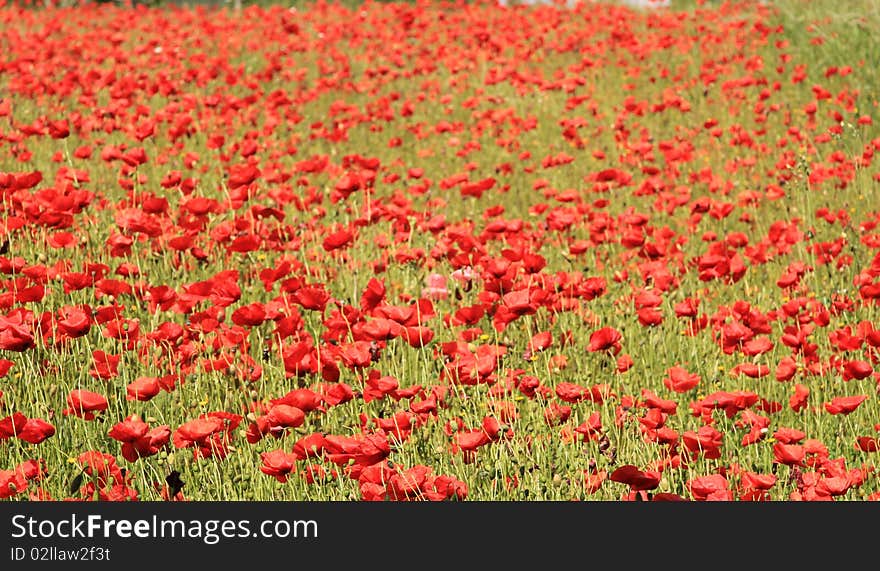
(439, 251)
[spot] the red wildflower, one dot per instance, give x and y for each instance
(707, 441)
(208, 435)
(251, 315)
(541, 341)
(143, 388)
(867, 444)
(605, 339)
(789, 435)
(12, 425)
(471, 440)
(680, 380)
(713, 487)
(104, 365)
(278, 464)
(85, 404)
(75, 321)
(338, 240)
(636, 479)
(276, 422)
(844, 405)
(790, 454)
(857, 370)
(36, 430)
(798, 400)
(138, 440)
(12, 483)
(754, 481)
(786, 369)
(594, 480)
(556, 414)
(312, 445)
(15, 331)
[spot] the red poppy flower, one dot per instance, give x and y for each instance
(364, 450)
(754, 481)
(409, 484)
(789, 435)
(36, 430)
(471, 440)
(450, 488)
(12, 425)
(377, 387)
(312, 445)
(15, 331)
(143, 388)
(786, 369)
(278, 464)
(85, 404)
(138, 440)
(857, 370)
(276, 422)
(242, 175)
(12, 483)
(590, 428)
(100, 466)
(336, 393)
(399, 426)
(636, 479)
(594, 480)
(59, 129)
(147, 445)
(313, 473)
(104, 365)
(605, 339)
(713, 487)
(687, 308)
(833, 486)
(680, 380)
(651, 400)
(306, 400)
(556, 414)
(197, 431)
(129, 430)
(707, 441)
(798, 400)
(75, 322)
(338, 240)
(33, 469)
(312, 298)
(867, 444)
(541, 341)
(751, 370)
(418, 336)
(789, 454)
(844, 405)
(570, 392)
(757, 346)
(286, 416)
(251, 315)
(649, 316)
(357, 355)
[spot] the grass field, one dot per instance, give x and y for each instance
(440, 251)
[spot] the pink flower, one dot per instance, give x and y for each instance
(436, 287)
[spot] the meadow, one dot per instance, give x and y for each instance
(440, 251)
